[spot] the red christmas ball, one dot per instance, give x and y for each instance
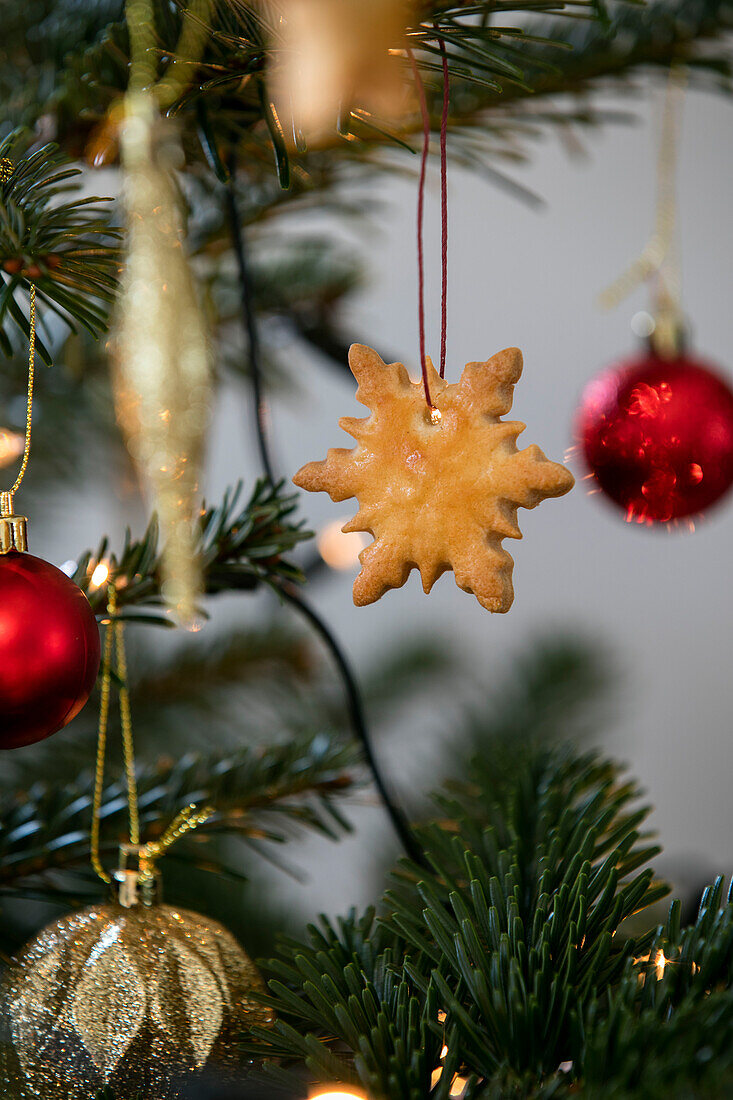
(49, 649)
(658, 436)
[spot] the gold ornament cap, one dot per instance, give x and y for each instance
(13, 529)
(136, 881)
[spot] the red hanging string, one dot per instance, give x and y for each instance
(444, 216)
(420, 211)
(444, 208)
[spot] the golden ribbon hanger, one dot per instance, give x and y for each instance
(660, 256)
(13, 530)
(189, 818)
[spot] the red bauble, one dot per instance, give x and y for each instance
(49, 650)
(658, 436)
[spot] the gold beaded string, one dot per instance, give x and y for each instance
(189, 818)
(31, 382)
(6, 172)
(186, 821)
(114, 641)
(7, 497)
(660, 255)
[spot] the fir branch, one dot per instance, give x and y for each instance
(518, 925)
(345, 1009)
(669, 1025)
(258, 795)
(497, 953)
(502, 57)
(241, 546)
(66, 247)
(498, 68)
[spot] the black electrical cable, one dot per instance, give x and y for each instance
(358, 721)
(291, 594)
(250, 324)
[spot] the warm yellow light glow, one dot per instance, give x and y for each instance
(660, 962)
(11, 446)
(458, 1085)
(340, 550)
(338, 1094)
(100, 575)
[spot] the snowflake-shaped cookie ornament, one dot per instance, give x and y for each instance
(441, 491)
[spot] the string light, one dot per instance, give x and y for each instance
(11, 446)
(660, 964)
(100, 575)
(338, 1094)
(340, 549)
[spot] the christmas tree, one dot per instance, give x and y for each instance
(153, 156)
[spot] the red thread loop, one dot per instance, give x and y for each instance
(420, 87)
(444, 208)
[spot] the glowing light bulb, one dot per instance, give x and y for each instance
(458, 1085)
(341, 549)
(100, 575)
(338, 1094)
(11, 446)
(660, 963)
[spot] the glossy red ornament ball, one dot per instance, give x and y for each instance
(49, 649)
(657, 435)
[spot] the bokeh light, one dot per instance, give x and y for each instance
(338, 1094)
(100, 575)
(338, 549)
(11, 446)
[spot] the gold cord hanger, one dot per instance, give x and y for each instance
(6, 498)
(188, 819)
(114, 641)
(13, 529)
(660, 256)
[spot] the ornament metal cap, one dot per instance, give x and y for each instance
(136, 881)
(13, 529)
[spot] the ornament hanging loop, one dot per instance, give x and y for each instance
(14, 529)
(660, 258)
(114, 639)
(135, 882)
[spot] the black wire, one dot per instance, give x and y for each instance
(291, 594)
(250, 324)
(358, 719)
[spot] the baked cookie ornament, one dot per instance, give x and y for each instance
(437, 489)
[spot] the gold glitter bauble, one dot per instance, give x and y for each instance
(134, 998)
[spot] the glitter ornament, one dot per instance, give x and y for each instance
(657, 434)
(49, 640)
(132, 995)
(162, 359)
